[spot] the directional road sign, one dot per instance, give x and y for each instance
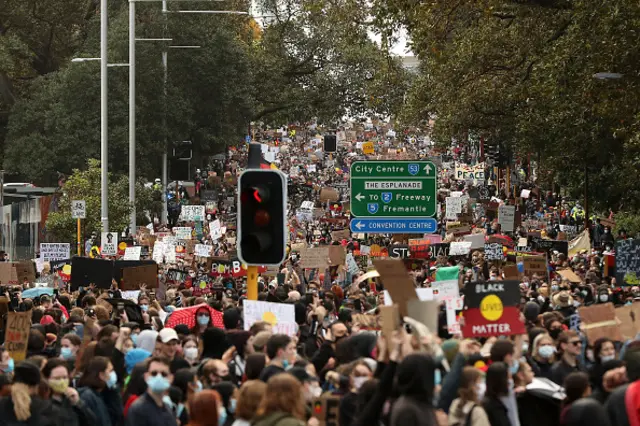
(392, 225)
(393, 189)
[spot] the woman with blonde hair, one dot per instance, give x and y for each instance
(283, 402)
(543, 355)
(24, 406)
(249, 398)
(467, 409)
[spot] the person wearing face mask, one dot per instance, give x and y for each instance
(69, 346)
(143, 302)
(203, 321)
(466, 409)
(72, 411)
(603, 351)
(281, 350)
(6, 362)
(332, 336)
(190, 350)
(150, 409)
(360, 373)
(570, 345)
(98, 389)
(229, 395)
(542, 355)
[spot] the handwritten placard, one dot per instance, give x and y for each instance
(17, 334)
(281, 316)
(54, 251)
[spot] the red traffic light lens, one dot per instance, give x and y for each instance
(262, 218)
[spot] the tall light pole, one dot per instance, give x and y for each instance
(132, 116)
(104, 141)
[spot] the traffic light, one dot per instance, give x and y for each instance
(330, 143)
(262, 211)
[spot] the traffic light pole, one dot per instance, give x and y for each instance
(255, 154)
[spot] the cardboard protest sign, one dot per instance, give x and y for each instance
(569, 275)
(54, 251)
(582, 242)
(390, 318)
(16, 334)
(628, 318)
(340, 235)
(628, 262)
(535, 265)
(133, 277)
(329, 194)
(25, 271)
(600, 321)
(425, 312)
(337, 255)
(510, 272)
(109, 244)
(281, 316)
(476, 240)
(507, 217)
(397, 282)
(326, 409)
(315, 257)
(492, 309)
(183, 232)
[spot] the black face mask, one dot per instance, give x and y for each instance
(554, 333)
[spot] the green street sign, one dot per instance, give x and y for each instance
(393, 189)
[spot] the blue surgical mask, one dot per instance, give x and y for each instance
(144, 308)
(437, 377)
(134, 339)
(222, 417)
(605, 358)
(232, 406)
(199, 386)
(158, 384)
(285, 364)
(515, 366)
(66, 353)
(10, 366)
(203, 320)
(546, 351)
(112, 381)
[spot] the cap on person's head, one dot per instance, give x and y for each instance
(28, 373)
(167, 334)
(302, 375)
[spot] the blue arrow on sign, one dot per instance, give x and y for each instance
(392, 225)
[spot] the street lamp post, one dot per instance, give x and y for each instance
(104, 141)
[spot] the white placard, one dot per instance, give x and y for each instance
(365, 250)
(280, 315)
(270, 156)
(158, 251)
(453, 207)
(109, 244)
(445, 290)
(182, 232)
(215, 230)
(54, 251)
(423, 294)
(311, 168)
(202, 250)
(459, 248)
(132, 253)
(507, 217)
(191, 213)
(130, 295)
(525, 193)
(78, 209)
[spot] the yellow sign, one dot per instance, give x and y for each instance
(367, 148)
(491, 308)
